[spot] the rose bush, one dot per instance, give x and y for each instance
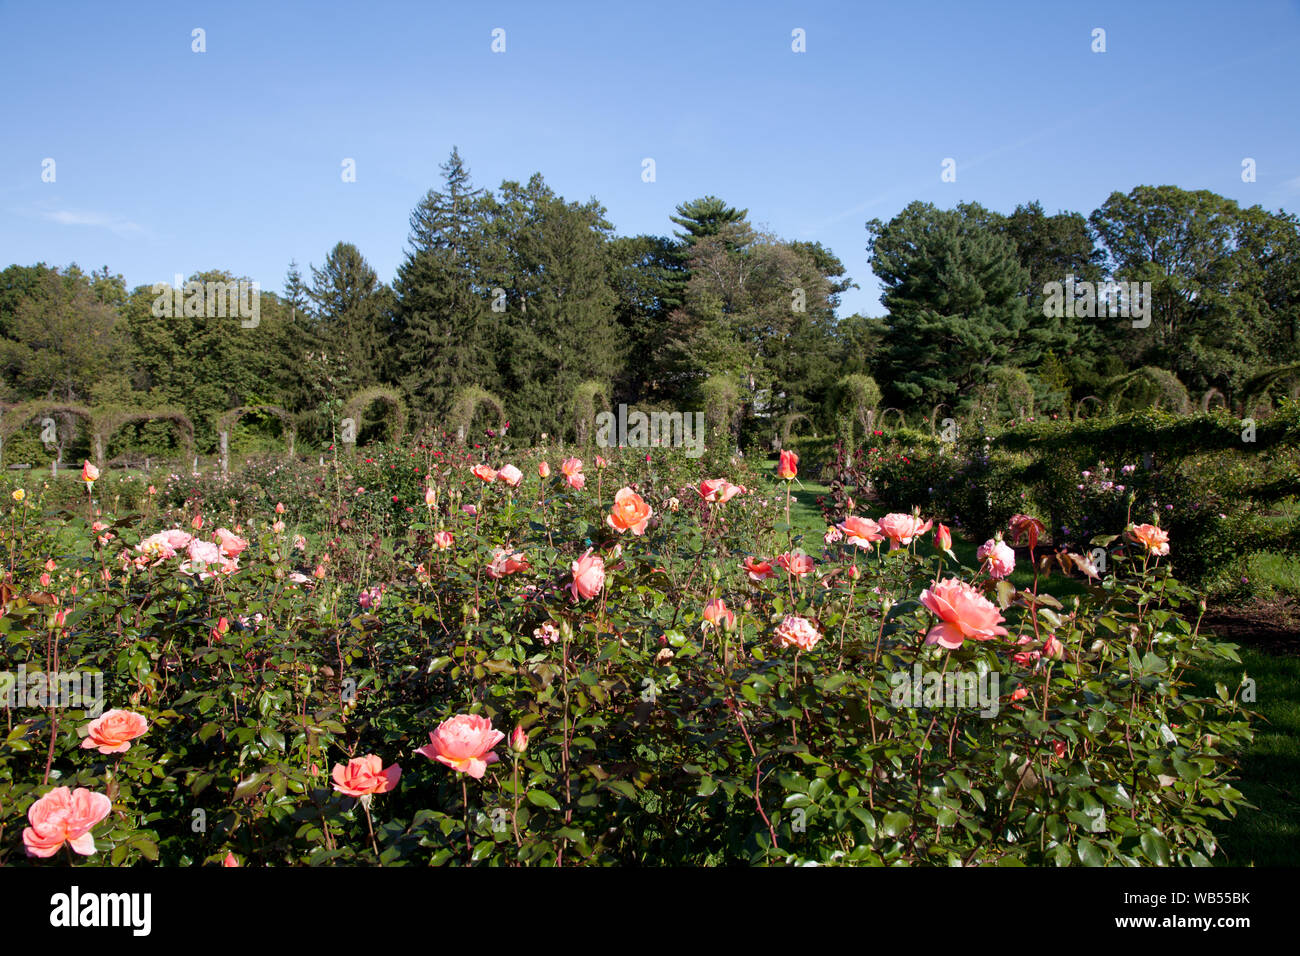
(712, 688)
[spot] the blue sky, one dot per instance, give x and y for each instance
(170, 161)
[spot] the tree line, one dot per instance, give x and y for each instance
(535, 299)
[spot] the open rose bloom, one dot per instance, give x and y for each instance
(902, 530)
(363, 776)
(963, 613)
(999, 557)
(64, 816)
(464, 743)
(798, 632)
(1155, 540)
(630, 513)
(510, 475)
(113, 731)
(860, 532)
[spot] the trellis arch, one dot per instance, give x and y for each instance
(1078, 406)
(229, 419)
(1208, 398)
(466, 405)
(902, 417)
(787, 423)
(1168, 389)
(1256, 388)
(106, 423)
(584, 408)
(358, 403)
(14, 417)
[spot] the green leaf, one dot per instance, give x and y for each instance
(540, 798)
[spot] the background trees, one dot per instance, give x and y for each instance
(528, 295)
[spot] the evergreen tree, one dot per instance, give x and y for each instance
(955, 294)
(445, 329)
(352, 314)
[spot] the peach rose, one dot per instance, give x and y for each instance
(1155, 540)
(862, 532)
(963, 613)
(999, 556)
(443, 540)
(571, 467)
(362, 776)
(796, 563)
(630, 513)
(588, 576)
(113, 731)
(797, 632)
(758, 570)
(64, 816)
(485, 473)
(544, 470)
(788, 467)
(464, 743)
(717, 614)
(902, 530)
(231, 543)
(89, 473)
(510, 475)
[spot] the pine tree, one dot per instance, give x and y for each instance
(444, 333)
(955, 294)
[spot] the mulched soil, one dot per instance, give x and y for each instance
(1269, 626)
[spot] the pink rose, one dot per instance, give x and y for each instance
(506, 562)
(362, 776)
(510, 475)
(64, 816)
(588, 576)
(231, 543)
(862, 532)
(543, 470)
(902, 529)
(464, 743)
(797, 632)
(113, 731)
(796, 563)
(717, 614)
(999, 556)
(443, 540)
(963, 613)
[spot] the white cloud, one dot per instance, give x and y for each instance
(70, 217)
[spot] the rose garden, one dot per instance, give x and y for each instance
(442, 652)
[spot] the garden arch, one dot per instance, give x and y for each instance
(14, 417)
(108, 422)
(229, 419)
(357, 405)
(584, 408)
(466, 406)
